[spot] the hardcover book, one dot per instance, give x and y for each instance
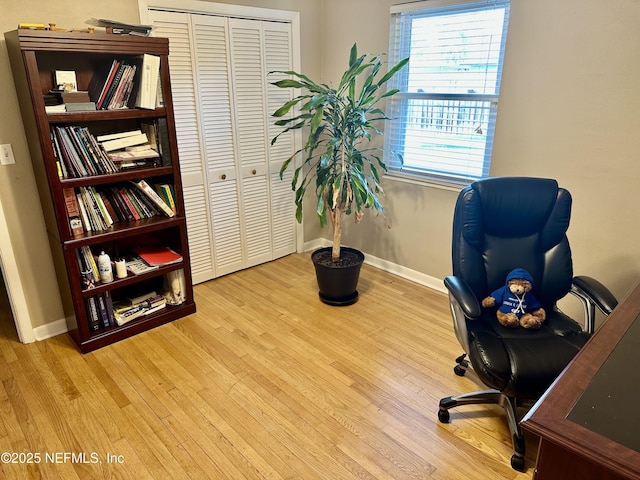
(158, 256)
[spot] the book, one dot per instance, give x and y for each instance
(69, 151)
(158, 256)
(101, 82)
(90, 263)
(93, 316)
(83, 213)
(164, 190)
(131, 164)
(149, 311)
(150, 192)
(154, 301)
(121, 96)
(120, 143)
(147, 92)
(141, 299)
(80, 107)
(126, 198)
(124, 315)
(73, 211)
(130, 155)
(113, 87)
(109, 305)
(75, 97)
(138, 266)
(113, 136)
(102, 307)
(60, 108)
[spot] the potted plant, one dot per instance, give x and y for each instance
(339, 158)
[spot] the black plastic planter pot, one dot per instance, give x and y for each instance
(337, 281)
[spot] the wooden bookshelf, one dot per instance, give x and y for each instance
(34, 55)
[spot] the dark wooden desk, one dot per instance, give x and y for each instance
(588, 421)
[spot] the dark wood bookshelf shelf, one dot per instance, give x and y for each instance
(125, 229)
(102, 115)
(34, 56)
(122, 176)
(130, 280)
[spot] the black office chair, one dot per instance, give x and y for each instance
(501, 224)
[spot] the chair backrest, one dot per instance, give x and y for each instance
(503, 223)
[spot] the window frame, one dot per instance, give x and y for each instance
(395, 130)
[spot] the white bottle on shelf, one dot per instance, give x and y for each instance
(104, 267)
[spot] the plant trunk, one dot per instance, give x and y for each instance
(336, 220)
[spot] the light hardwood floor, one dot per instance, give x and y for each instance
(264, 381)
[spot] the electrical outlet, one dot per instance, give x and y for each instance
(6, 154)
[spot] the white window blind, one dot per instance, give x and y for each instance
(443, 118)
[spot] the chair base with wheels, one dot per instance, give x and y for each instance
(487, 397)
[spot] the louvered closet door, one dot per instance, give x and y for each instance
(176, 27)
(278, 57)
(211, 53)
(251, 137)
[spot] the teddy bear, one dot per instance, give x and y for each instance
(517, 305)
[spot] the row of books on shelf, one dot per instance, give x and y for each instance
(116, 89)
(140, 261)
(121, 86)
(125, 83)
(80, 154)
(103, 312)
(94, 209)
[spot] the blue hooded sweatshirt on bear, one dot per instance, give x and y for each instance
(510, 302)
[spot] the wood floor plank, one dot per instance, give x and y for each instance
(264, 381)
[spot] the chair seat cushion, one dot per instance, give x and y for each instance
(523, 362)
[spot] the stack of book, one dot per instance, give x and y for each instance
(130, 149)
(77, 101)
(132, 308)
(119, 28)
(78, 153)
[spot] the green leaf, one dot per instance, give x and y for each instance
(353, 54)
(395, 69)
(389, 93)
(317, 118)
(284, 166)
(299, 212)
(288, 83)
(284, 109)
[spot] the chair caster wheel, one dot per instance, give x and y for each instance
(517, 463)
(459, 371)
(443, 416)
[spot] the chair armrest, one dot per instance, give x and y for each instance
(592, 294)
(595, 292)
(464, 296)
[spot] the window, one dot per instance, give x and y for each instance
(443, 118)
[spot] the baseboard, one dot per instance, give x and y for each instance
(51, 329)
(393, 268)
